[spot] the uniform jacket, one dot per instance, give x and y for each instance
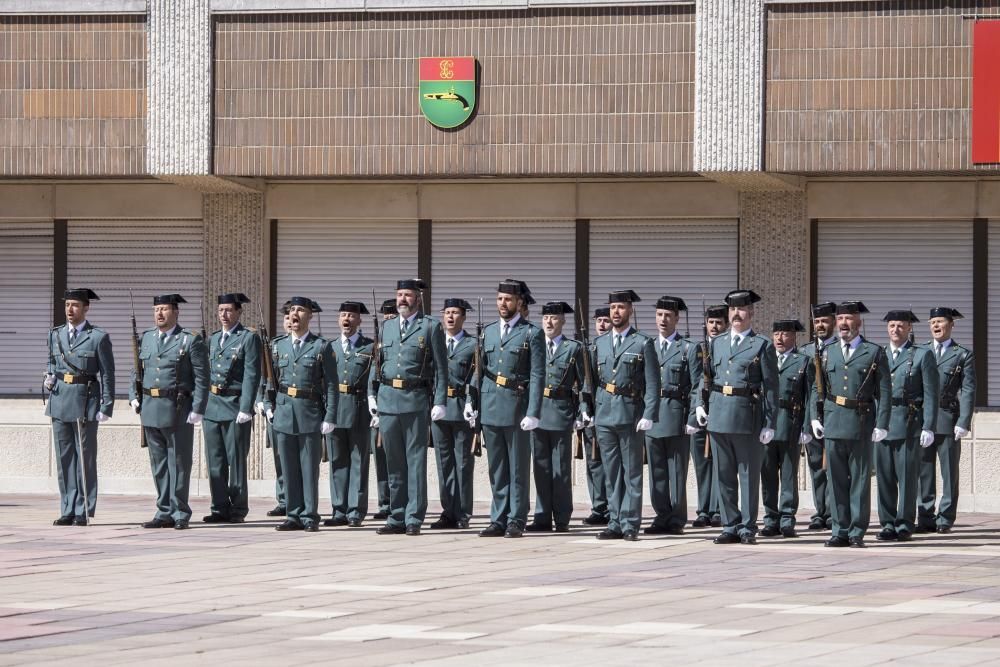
(180, 365)
(313, 370)
(235, 367)
(633, 371)
(955, 357)
(793, 390)
(847, 380)
(460, 369)
(91, 353)
(564, 379)
(353, 369)
(680, 371)
(914, 381)
(418, 357)
(520, 359)
(752, 366)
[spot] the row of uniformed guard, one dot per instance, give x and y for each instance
(740, 404)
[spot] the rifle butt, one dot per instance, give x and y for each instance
(708, 446)
(477, 444)
(578, 448)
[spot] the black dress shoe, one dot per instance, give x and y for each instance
(944, 530)
(79, 521)
(181, 525)
(886, 535)
(748, 538)
(655, 530)
(462, 523)
(630, 536)
(904, 536)
(444, 523)
(215, 518)
(534, 527)
(769, 531)
(513, 530)
(789, 531)
(727, 538)
(493, 530)
(288, 525)
(335, 521)
(237, 519)
(63, 521)
(388, 529)
(856, 542)
(701, 522)
(562, 527)
(159, 523)
(716, 521)
(277, 511)
(413, 530)
(675, 530)
(354, 523)
(817, 524)
(608, 534)
(596, 519)
(924, 529)
(836, 542)
(311, 528)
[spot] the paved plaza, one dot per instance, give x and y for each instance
(115, 594)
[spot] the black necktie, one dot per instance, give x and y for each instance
(451, 346)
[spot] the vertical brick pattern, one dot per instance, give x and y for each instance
(72, 95)
(583, 91)
(774, 232)
(870, 87)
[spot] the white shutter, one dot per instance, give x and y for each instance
(993, 376)
(693, 259)
(333, 261)
(25, 305)
(149, 256)
(892, 265)
(471, 257)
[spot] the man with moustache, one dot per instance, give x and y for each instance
(716, 321)
(856, 415)
(414, 365)
(552, 441)
(913, 373)
(824, 316)
(628, 388)
(175, 391)
(234, 375)
(453, 434)
(740, 415)
(388, 312)
(779, 472)
(304, 411)
(596, 480)
(957, 381)
(513, 368)
(80, 378)
(347, 445)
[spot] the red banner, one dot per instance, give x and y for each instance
(986, 92)
(447, 69)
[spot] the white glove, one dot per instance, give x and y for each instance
(372, 406)
(374, 422)
(470, 415)
(260, 407)
(326, 427)
(701, 416)
(587, 420)
(690, 430)
(243, 418)
(960, 432)
(529, 423)
(926, 438)
(194, 418)
(269, 413)
(817, 429)
(805, 439)
(50, 381)
(101, 418)
(644, 425)
(437, 412)
(135, 404)
(879, 434)
(578, 425)
(766, 435)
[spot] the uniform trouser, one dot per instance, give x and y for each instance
(170, 452)
(551, 453)
(279, 477)
(668, 465)
(300, 455)
(347, 449)
(946, 451)
(596, 479)
(404, 438)
(621, 453)
(849, 465)
(508, 450)
(820, 487)
(455, 467)
(68, 466)
(227, 445)
(704, 473)
(381, 471)
(896, 476)
(736, 459)
(779, 480)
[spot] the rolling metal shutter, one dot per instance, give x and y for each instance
(471, 257)
(898, 265)
(25, 305)
(693, 259)
(331, 262)
(113, 256)
(993, 377)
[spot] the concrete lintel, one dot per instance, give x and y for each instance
(218, 184)
(757, 181)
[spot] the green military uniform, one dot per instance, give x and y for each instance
(388, 312)
(234, 357)
(820, 518)
(957, 384)
(281, 508)
(175, 393)
(914, 378)
(701, 460)
(81, 379)
(597, 487)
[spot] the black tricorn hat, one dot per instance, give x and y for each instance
(353, 307)
(623, 296)
(824, 309)
(741, 297)
(388, 307)
(674, 303)
(80, 294)
(457, 303)
(235, 298)
(556, 308)
(851, 308)
(943, 311)
(900, 316)
(305, 302)
(787, 325)
(168, 299)
(717, 311)
(602, 312)
(411, 283)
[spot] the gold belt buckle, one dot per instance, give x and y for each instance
(397, 383)
(68, 379)
(610, 387)
(293, 392)
(215, 389)
(154, 392)
(841, 401)
(451, 392)
(727, 390)
(548, 392)
(343, 388)
(501, 381)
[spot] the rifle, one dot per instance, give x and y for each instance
(820, 373)
(267, 360)
(477, 364)
(376, 354)
(706, 375)
(139, 370)
(588, 381)
(204, 335)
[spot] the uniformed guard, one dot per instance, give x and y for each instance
(175, 392)
(348, 444)
(668, 442)
(453, 434)
(824, 320)
(779, 472)
(957, 381)
(628, 388)
(562, 411)
(913, 373)
(414, 375)
(856, 415)
(740, 415)
(716, 322)
(513, 358)
(388, 312)
(305, 410)
(234, 377)
(596, 481)
(279, 478)
(81, 380)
